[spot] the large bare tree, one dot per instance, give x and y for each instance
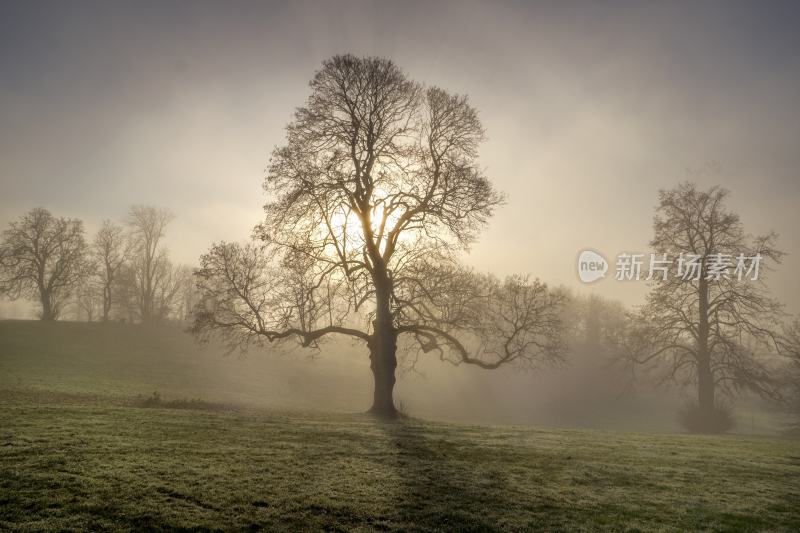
(42, 257)
(707, 321)
(375, 193)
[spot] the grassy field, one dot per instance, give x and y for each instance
(125, 360)
(80, 451)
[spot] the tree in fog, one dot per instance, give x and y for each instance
(150, 270)
(597, 322)
(790, 377)
(43, 257)
(371, 199)
(173, 289)
(87, 298)
(187, 296)
(109, 252)
(703, 326)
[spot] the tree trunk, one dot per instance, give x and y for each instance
(106, 302)
(383, 351)
(383, 362)
(705, 377)
(47, 307)
(705, 388)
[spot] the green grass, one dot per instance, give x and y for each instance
(125, 360)
(74, 458)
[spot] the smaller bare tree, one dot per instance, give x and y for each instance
(704, 324)
(188, 296)
(169, 297)
(87, 297)
(42, 257)
(109, 251)
(148, 258)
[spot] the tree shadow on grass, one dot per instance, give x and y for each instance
(442, 488)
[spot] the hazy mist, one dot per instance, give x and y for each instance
(589, 112)
(374, 265)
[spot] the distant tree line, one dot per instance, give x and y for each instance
(122, 273)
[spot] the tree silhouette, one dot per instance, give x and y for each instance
(109, 250)
(42, 257)
(370, 201)
(150, 270)
(707, 326)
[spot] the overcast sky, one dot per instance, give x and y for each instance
(590, 109)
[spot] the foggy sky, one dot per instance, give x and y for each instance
(590, 109)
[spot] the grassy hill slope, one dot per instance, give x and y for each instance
(129, 359)
(78, 451)
(125, 360)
